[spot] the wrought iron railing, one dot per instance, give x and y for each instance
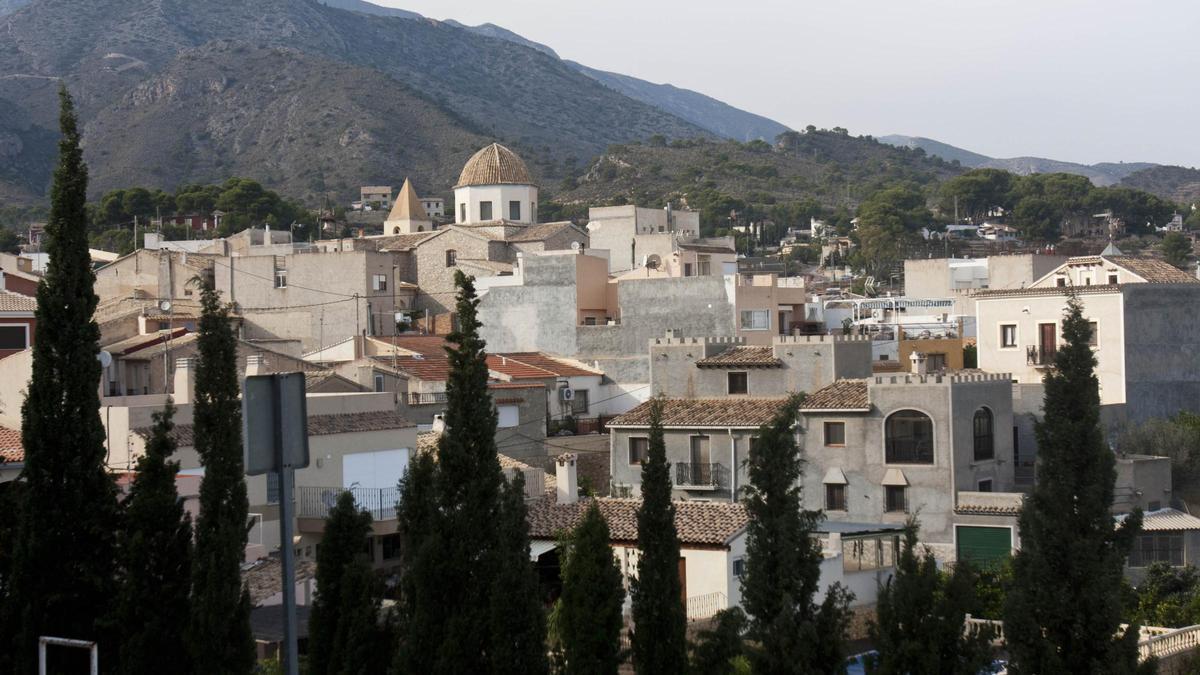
(420, 398)
(316, 502)
(1040, 355)
(708, 476)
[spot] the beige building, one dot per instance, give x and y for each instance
(638, 237)
(408, 215)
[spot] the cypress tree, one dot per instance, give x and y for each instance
(720, 648)
(518, 618)
(659, 618)
(337, 607)
(592, 595)
(1063, 610)
(453, 520)
(919, 618)
(783, 562)
(63, 559)
(154, 547)
(219, 632)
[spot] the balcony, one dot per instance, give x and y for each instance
(316, 502)
(691, 476)
(1041, 356)
(418, 398)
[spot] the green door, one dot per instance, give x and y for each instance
(983, 545)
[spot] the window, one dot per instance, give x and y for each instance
(390, 545)
(638, 449)
(687, 269)
(703, 265)
(835, 433)
(589, 321)
(164, 325)
(756, 319)
(895, 498)
(1008, 335)
(514, 210)
(1112, 279)
(379, 282)
(908, 438)
(272, 487)
(739, 383)
(985, 447)
(451, 257)
(378, 382)
(1152, 548)
(509, 416)
(280, 278)
(579, 402)
(935, 363)
(985, 485)
(1061, 281)
(462, 213)
(1093, 334)
(485, 210)
(739, 567)
(835, 497)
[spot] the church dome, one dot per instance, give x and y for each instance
(494, 165)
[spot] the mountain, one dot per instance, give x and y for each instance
(1104, 173)
(9, 6)
(706, 112)
(1177, 183)
(130, 62)
(365, 8)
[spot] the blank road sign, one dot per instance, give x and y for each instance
(262, 427)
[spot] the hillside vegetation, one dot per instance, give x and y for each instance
(1174, 182)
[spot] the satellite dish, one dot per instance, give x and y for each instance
(105, 359)
(575, 246)
(165, 305)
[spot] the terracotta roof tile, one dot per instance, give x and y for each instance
(541, 232)
(706, 412)
(15, 302)
(841, 395)
(496, 266)
(989, 503)
(1153, 270)
(559, 366)
(262, 578)
(318, 425)
(427, 345)
(494, 165)
(698, 523)
(11, 448)
(401, 242)
(707, 248)
(759, 357)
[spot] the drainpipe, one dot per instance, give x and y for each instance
(732, 467)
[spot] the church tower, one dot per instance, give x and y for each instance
(408, 215)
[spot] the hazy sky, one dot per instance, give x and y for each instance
(1077, 80)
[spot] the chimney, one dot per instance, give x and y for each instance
(567, 478)
(918, 363)
(255, 365)
(185, 381)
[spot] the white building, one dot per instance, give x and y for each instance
(495, 185)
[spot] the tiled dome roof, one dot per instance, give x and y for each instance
(494, 165)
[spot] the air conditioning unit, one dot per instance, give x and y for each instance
(566, 394)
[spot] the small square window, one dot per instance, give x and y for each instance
(485, 210)
(835, 433)
(1112, 279)
(280, 278)
(739, 567)
(739, 383)
(835, 497)
(895, 498)
(638, 449)
(379, 282)
(985, 485)
(1008, 335)
(1061, 281)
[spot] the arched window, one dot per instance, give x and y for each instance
(985, 446)
(451, 257)
(908, 438)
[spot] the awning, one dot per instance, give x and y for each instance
(537, 548)
(834, 476)
(895, 477)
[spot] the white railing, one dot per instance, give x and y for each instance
(706, 606)
(417, 398)
(1155, 641)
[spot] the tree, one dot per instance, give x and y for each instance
(590, 615)
(1169, 596)
(155, 547)
(1176, 249)
(1061, 613)
(660, 623)
(978, 191)
(9, 241)
(718, 649)
(518, 627)
(452, 517)
(920, 616)
(63, 559)
(783, 562)
(1177, 438)
(1037, 219)
(343, 547)
(219, 633)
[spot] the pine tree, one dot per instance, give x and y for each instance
(219, 632)
(453, 519)
(63, 559)
(783, 562)
(592, 595)
(1063, 611)
(518, 619)
(155, 547)
(920, 615)
(343, 547)
(660, 623)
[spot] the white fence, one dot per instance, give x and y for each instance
(1155, 641)
(705, 606)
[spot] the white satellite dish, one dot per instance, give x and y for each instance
(165, 305)
(105, 359)
(575, 246)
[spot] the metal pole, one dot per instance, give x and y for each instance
(291, 659)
